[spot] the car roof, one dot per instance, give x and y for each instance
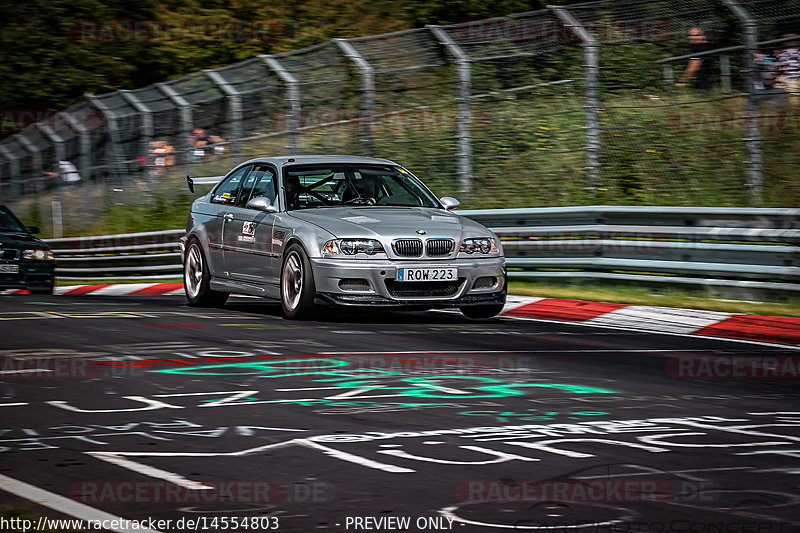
(310, 159)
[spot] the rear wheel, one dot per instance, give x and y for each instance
(197, 277)
(297, 284)
(481, 311)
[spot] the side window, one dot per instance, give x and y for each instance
(260, 182)
(225, 193)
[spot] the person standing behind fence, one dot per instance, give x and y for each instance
(789, 65)
(698, 70)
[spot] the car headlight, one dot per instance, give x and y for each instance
(484, 245)
(37, 254)
(352, 247)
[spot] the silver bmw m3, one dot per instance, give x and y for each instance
(341, 230)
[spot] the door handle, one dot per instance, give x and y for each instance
(228, 217)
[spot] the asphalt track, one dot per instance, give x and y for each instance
(142, 407)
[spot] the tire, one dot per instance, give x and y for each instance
(297, 284)
(46, 290)
(197, 277)
(481, 311)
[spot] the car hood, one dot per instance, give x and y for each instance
(390, 222)
(20, 240)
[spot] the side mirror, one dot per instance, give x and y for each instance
(32, 229)
(262, 203)
(449, 202)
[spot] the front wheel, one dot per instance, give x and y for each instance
(297, 284)
(196, 280)
(481, 311)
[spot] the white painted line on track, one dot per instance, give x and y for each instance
(66, 505)
(151, 471)
(18, 404)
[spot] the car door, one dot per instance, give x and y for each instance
(248, 251)
(221, 199)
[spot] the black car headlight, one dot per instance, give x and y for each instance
(483, 245)
(352, 247)
(37, 254)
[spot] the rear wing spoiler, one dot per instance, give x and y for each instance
(202, 180)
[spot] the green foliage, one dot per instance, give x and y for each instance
(421, 12)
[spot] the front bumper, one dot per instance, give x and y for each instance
(32, 275)
(380, 288)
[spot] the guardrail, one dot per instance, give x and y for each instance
(751, 249)
(123, 256)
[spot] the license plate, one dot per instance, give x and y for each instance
(9, 269)
(427, 274)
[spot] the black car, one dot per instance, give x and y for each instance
(25, 261)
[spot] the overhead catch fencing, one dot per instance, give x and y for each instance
(622, 102)
(732, 251)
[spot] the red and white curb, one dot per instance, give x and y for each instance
(775, 330)
(119, 289)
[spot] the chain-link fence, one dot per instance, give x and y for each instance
(624, 102)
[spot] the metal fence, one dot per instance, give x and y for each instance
(580, 104)
(734, 252)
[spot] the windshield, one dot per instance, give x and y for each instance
(310, 186)
(8, 222)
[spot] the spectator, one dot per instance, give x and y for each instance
(67, 172)
(216, 141)
(698, 70)
(198, 140)
(162, 155)
(768, 87)
(169, 154)
(789, 65)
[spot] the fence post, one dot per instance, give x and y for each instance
(669, 75)
(148, 131)
(725, 72)
(464, 125)
(367, 93)
(36, 156)
(59, 205)
(84, 161)
(234, 113)
(752, 139)
(591, 72)
(186, 124)
(5, 184)
(115, 154)
(14, 167)
(293, 109)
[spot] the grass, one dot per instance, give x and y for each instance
(625, 294)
